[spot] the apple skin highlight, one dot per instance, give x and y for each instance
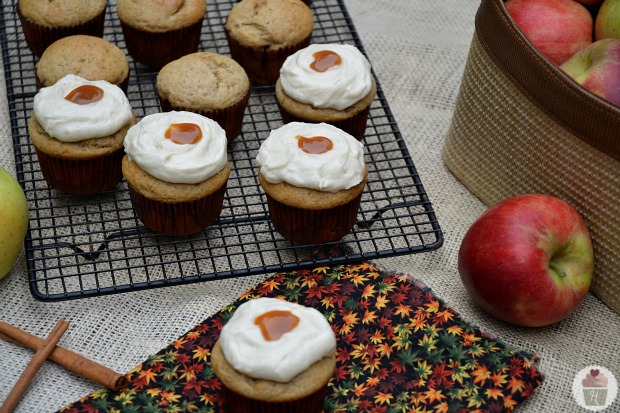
(528, 260)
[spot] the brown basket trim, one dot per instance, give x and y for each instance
(588, 116)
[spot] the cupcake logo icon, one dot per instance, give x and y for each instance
(595, 388)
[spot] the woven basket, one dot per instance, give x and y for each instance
(522, 126)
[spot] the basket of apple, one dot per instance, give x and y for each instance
(538, 112)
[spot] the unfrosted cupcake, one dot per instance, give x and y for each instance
(263, 33)
(89, 57)
(329, 83)
(313, 176)
(44, 21)
(275, 356)
(177, 170)
(209, 84)
(77, 128)
(157, 32)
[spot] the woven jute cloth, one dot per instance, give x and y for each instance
(418, 50)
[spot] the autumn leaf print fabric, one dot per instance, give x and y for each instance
(400, 350)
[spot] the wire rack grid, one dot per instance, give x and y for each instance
(89, 246)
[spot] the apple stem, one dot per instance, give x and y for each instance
(557, 270)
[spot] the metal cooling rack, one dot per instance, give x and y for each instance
(87, 246)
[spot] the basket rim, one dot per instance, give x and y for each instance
(586, 115)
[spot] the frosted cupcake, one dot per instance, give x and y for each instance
(77, 128)
(313, 176)
(329, 83)
(177, 170)
(275, 356)
(595, 388)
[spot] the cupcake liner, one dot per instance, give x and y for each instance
(262, 65)
(158, 49)
(178, 219)
(230, 118)
(354, 125)
(82, 176)
(237, 403)
(39, 37)
(307, 226)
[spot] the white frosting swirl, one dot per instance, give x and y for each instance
(146, 144)
(70, 122)
(338, 87)
(282, 160)
(247, 351)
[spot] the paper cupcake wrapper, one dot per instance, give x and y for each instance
(230, 118)
(237, 403)
(355, 125)
(306, 226)
(178, 219)
(39, 37)
(262, 65)
(82, 176)
(158, 49)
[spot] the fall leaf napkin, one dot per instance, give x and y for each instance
(400, 349)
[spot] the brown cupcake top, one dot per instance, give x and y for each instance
(302, 385)
(156, 189)
(307, 198)
(86, 149)
(203, 81)
(270, 23)
(89, 57)
(160, 15)
(61, 13)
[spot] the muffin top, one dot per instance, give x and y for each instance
(89, 57)
(274, 24)
(273, 339)
(61, 13)
(160, 15)
(333, 76)
(312, 155)
(76, 109)
(177, 147)
(201, 81)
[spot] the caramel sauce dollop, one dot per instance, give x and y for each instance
(184, 133)
(315, 145)
(85, 94)
(274, 324)
(324, 60)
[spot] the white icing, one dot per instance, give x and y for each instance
(281, 159)
(247, 351)
(147, 145)
(70, 122)
(337, 88)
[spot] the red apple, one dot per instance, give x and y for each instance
(527, 260)
(558, 28)
(597, 68)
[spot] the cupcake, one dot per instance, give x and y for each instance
(77, 128)
(209, 84)
(263, 33)
(43, 21)
(329, 83)
(313, 176)
(275, 356)
(595, 388)
(89, 57)
(177, 169)
(159, 31)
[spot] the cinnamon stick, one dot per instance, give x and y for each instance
(68, 359)
(31, 369)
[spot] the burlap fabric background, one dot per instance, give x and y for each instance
(418, 50)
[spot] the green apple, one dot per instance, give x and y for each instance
(13, 221)
(607, 23)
